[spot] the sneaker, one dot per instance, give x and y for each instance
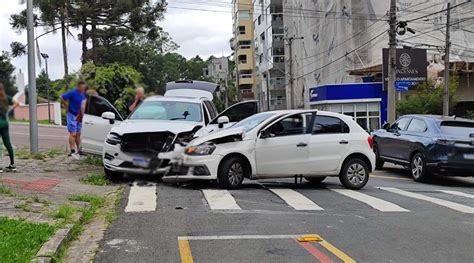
(76, 156)
(1, 170)
(11, 168)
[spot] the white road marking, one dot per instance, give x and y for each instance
(441, 202)
(239, 237)
(295, 199)
(374, 202)
(142, 197)
(457, 193)
(220, 200)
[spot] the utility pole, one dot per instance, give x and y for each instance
(292, 88)
(446, 64)
(392, 64)
(32, 77)
(45, 57)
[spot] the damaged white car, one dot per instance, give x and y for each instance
(131, 145)
(278, 144)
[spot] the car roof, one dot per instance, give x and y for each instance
(175, 98)
(438, 117)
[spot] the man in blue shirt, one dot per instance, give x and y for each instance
(72, 101)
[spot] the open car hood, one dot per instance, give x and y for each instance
(144, 126)
(222, 136)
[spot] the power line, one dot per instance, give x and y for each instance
(438, 12)
(345, 55)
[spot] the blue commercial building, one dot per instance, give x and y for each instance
(366, 102)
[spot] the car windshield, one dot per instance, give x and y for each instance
(253, 121)
(458, 128)
(168, 110)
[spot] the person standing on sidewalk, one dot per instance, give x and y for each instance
(72, 101)
(5, 103)
(139, 97)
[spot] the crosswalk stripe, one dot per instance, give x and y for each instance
(142, 197)
(441, 202)
(457, 193)
(295, 199)
(374, 202)
(220, 200)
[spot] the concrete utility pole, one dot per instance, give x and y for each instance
(32, 78)
(446, 64)
(392, 64)
(292, 88)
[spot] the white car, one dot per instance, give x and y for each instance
(128, 146)
(278, 144)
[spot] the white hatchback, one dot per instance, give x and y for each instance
(278, 144)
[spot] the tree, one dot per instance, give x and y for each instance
(428, 98)
(6, 74)
(115, 82)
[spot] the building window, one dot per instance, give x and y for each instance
(242, 30)
(367, 115)
(262, 36)
(259, 19)
(244, 14)
(243, 59)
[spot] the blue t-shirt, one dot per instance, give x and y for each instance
(75, 98)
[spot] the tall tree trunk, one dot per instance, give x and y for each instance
(63, 38)
(94, 41)
(84, 41)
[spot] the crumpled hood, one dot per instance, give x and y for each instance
(217, 135)
(140, 126)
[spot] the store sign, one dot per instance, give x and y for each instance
(412, 67)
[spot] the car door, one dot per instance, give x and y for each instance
(238, 111)
(415, 135)
(390, 145)
(329, 144)
(283, 150)
(95, 128)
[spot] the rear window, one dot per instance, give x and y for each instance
(461, 128)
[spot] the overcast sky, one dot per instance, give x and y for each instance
(197, 32)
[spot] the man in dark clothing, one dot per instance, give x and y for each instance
(72, 101)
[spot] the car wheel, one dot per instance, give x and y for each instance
(112, 175)
(418, 167)
(231, 173)
(378, 162)
(315, 180)
(354, 174)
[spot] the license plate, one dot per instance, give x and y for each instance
(469, 156)
(141, 162)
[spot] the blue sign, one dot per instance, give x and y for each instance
(403, 85)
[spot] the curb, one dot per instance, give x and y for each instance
(39, 125)
(51, 248)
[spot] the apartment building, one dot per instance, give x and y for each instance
(270, 54)
(241, 44)
(218, 69)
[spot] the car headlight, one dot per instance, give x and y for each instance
(113, 139)
(203, 149)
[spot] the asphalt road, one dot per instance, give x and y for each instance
(393, 219)
(49, 137)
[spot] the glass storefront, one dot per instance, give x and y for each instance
(367, 115)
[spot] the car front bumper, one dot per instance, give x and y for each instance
(185, 167)
(114, 159)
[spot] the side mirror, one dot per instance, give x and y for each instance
(265, 134)
(386, 126)
(222, 120)
(108, 115)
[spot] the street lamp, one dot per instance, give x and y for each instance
(45, 57)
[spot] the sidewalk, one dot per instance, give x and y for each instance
(52, 188)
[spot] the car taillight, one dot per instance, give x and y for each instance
(370, 141)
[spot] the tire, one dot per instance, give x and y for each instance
(315, 180)
(378, 162)
(354, 174)
(112, 175)
(418, 168)
(231, 173)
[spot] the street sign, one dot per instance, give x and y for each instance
(402, 85)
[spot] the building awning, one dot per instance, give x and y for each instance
(366, 70)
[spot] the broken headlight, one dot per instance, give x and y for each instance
(113, 139)
(203, 149)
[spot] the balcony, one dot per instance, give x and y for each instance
(248, 95)
(246, 79)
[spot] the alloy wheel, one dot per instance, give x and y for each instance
(417, 167)
(235, 174)
(356, 173)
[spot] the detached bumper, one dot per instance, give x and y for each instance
(187, 168)
(447, 168)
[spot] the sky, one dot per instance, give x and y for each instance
(196, 31)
